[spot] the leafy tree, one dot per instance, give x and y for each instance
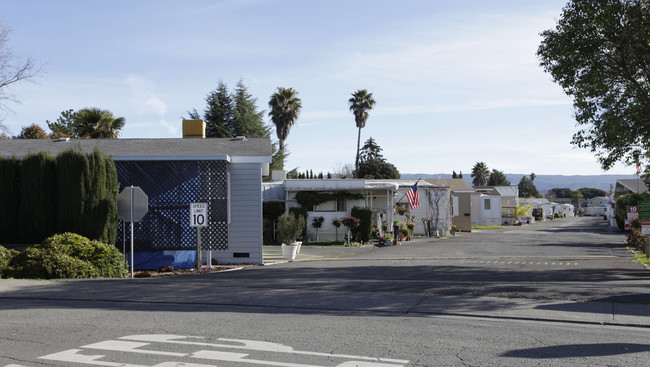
(95, 123)
(590, 193)
(576, 199)
(480, 173)
(32, 131)
(360, 103)
(498, 178)
(560, 193)
(285, 108)
(12, 70)
(527, 188)
(598, 53)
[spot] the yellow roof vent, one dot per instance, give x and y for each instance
(194, 129)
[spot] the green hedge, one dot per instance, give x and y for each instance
(364, 230)
(9, 205)
(620, 211)
(37, 213)
(75, 192)
(68, 255)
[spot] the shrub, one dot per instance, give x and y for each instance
(5, 258)
(69, 255)
(620, 211)
(364, 230)
(290, 227)
(636, 240)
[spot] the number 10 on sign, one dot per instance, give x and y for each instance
(198, 214)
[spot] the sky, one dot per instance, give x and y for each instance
(455, 82)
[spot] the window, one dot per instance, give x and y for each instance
(331, 206)
(454, 206)
(486, 204)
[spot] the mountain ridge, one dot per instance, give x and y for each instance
(546, 182)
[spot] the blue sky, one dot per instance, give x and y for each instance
(455, 82)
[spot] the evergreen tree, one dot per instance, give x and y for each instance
(37, 213)
(219, 113)
(527, 188)
(9, 199)
(498, 178)
(63, 126)
(460, 175)
(373, 165)
(454, 175)
(247, 120)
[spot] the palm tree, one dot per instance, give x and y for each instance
(360, 103)
(95, 123)
(285, 108)
(480, 173)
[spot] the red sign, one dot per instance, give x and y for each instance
(633, 210)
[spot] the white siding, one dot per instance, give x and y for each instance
(245, 228)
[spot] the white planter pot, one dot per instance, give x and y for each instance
(289, 251)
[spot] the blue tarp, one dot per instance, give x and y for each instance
(148, 260)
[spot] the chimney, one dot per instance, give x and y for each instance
(194, 129)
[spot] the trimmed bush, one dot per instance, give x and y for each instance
(73, 172)
(69, 255)
(37, 213)
(9, 199)
(364, 230)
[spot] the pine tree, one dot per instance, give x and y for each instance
(219, 114)
(247, 121)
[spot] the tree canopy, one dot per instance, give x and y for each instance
(527, 188)
(285, 109)
(230, 114)
(480, 174)
(373, 165)
(498, 178)
(599, 53)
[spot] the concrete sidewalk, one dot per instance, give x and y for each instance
(186, 291)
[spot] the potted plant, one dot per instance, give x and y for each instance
(289, 228)
(317, 223)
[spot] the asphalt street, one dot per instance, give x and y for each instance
(556, 293)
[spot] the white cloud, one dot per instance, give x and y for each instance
(146, 103)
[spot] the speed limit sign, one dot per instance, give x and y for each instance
(198, 214)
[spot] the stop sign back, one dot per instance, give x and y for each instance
(132, 201)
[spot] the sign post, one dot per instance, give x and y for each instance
(132, 205)
(198, 219)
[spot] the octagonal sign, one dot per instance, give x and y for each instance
(132, 204)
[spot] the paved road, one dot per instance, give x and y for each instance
(503, 298)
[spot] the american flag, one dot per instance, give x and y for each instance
(413, 197)
(638, 168)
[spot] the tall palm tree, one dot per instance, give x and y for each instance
(95, 123)
(480, 173)
(360, 103)
(285, 109)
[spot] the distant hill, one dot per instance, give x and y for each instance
(546, 182)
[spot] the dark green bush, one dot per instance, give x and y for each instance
(364, 230)
(620, 211)
(69, 255)
(37, 214)
(9, 204)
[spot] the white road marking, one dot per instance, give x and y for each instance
(251, 345)
(123, 346)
